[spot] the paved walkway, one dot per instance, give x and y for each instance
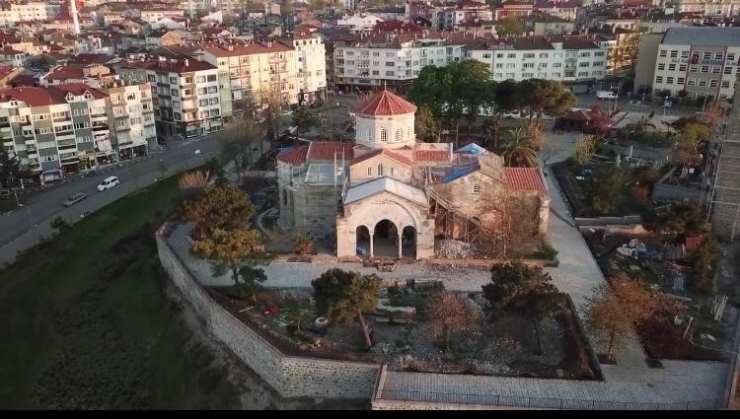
(631, 381)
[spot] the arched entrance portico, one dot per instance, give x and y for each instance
(362, 235)
(386, 239)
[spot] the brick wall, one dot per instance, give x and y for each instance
(289, 376)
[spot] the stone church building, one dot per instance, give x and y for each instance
(388, 195)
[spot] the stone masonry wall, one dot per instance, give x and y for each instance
(289, 376)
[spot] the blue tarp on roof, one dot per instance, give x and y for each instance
(472, 148)
(458, 172)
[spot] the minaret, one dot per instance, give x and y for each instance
(75, 18)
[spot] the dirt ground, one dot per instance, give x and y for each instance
(256, 394)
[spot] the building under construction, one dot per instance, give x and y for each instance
(725, 204)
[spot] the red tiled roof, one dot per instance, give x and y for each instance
(79, 89)
(386, 103)
(326, 151)
(524, 178)
(237, 49)
(387, 153)
(431, 155)
(295, 156)
(33, 96)
(65, 73)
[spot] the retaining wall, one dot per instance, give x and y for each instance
(289, 376)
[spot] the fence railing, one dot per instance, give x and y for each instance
(539, 402)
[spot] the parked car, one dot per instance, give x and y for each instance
(108, 183)
(79, 196)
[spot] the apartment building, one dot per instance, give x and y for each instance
(710, 8)
(255, 73)
(73, 127)
(396, 59)
(310, 56)
(567, 59)
(390, 58)
(188, 99)
(702, 61)
(21, 11)
(134, 131)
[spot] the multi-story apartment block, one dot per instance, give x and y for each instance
(21, 11)
(567, 59)
(310, 56)
(188, 99)
(713, 8)
(257, 72)
(131, 108)
(702, 61)
(394, 59)
(73, 127)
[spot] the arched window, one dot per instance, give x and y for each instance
(369, 171)
(380, 170)
(399, 135)
(391, 172)
(383, 135)
(369, 134)
(408, 133)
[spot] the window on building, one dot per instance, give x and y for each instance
(716, 70)
(661, 66)
(730, 57)
(728, 70)
(476, 188)
(173, 80)
(684, 54)
(680, 81)
(674, 54)
(713, 83)
(702, 83)
(391, 171)
(212, 77)
(399, 135)
(671, 67)
(691, 82)
(383, 134)
(390, 73)
(369, 134)
(669, 80)
(380, 169)
(726, 84)
(705, 69)
(718, 56)
(663, 53)
(682, 67)
(369, 171)
(707, 56)
(659, 79)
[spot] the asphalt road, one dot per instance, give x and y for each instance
(23, 227)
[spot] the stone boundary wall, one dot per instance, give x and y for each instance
(289, 376)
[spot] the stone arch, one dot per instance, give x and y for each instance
(362, 240)
(405, 216)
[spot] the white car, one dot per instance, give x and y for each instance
(108, 183)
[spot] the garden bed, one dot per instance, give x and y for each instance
(506, 346)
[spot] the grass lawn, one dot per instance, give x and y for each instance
(86, 323)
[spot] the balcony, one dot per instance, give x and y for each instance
(68, 157)
(64, 118)
(98, 116)
(98, 127)
(69, 143)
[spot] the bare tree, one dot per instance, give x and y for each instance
(616, 309)
(585, 149)
(451, 316)
(510, 225)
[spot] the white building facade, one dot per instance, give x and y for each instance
(188, 102)
(700, 61)
(12, 13)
